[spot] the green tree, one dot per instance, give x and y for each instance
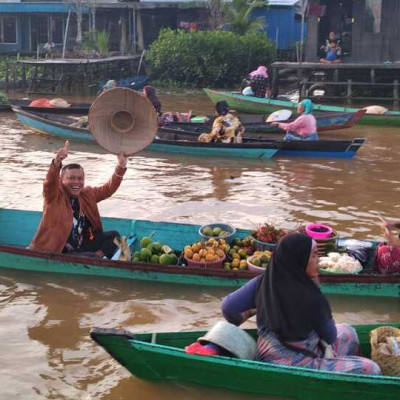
(238, 16)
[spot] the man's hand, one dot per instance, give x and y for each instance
(122, 160)
(61, 154)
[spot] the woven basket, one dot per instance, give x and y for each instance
(123, 121)
(390, 364)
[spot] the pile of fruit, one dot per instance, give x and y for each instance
(241, 249)
(268, 233)
(214, 232)
(154, 252)
(212, 250)
(261, 258)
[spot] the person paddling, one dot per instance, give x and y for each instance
(303, 127)
(71, 219)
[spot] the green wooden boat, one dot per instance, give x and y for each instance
(256, 105)
(161, 356)
(17, 228)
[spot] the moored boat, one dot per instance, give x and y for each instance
(17, 228)
(161, 356)
(75, 108)
(287, 148)
(181, 142)
(251, 104)
(327, 121)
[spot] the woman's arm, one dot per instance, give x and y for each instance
(292, 126)
(238, 306)
(327, 331)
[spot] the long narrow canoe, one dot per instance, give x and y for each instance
(17, 228)
(161, 356)
(327, 121)
(186, 143)
(292, 148)
(256, 105)
(75, 108)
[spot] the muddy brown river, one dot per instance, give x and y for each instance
(45, 319)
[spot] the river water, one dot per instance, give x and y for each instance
(45, 319)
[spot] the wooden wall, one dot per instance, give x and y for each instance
(366, 47)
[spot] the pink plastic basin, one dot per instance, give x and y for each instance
(319, 231)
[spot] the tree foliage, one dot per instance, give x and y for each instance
(218, 58)
(239, 18)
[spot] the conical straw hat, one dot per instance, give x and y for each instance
(231, 338)
(122, 120)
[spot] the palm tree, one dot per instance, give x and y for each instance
(238, 16)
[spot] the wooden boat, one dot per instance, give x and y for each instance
(327, 121)
(320, 148)
(17, 228)
(61, 127)
(76, 108)
(133, 82)
(180, 142)
(250, 104)
(161, 356)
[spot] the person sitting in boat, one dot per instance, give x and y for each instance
(259, 82)
(387, 258)
(332, 50)
(294, 319)
(169, 116)
(226, 128)
(303, 127)
(150, 93)
(71, 220)
(110, 84)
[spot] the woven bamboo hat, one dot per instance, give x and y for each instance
(122, 120)
(231, 338)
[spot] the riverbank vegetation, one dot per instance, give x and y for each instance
(202, 58)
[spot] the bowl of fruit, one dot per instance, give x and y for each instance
(258, 262)
(210, 254)
(267, 236)
(217, 231)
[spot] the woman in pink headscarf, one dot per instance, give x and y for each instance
(259, 82)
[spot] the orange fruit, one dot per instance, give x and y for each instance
(209, 257)
(189, 253)
(196, 257)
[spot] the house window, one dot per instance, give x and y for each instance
(8, 30)
(57, 28)
(372, 16)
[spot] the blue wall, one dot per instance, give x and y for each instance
(283, 20)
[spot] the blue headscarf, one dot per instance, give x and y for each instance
(307, 105)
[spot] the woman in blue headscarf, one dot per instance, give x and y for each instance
(304, 127)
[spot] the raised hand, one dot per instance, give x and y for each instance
(61, 154)
(122, 160)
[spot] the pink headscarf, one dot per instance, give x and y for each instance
(261, 71)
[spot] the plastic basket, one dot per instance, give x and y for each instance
(208, 264)
(254, 268)
(224, 227)
(261, 246)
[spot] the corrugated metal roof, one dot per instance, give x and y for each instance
(288, 3)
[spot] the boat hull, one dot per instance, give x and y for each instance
(161, 356)
(252, 150)
(181, 142)
(17, 228)
(256, 123)
(256, 105)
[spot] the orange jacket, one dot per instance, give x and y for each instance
(56, 224)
